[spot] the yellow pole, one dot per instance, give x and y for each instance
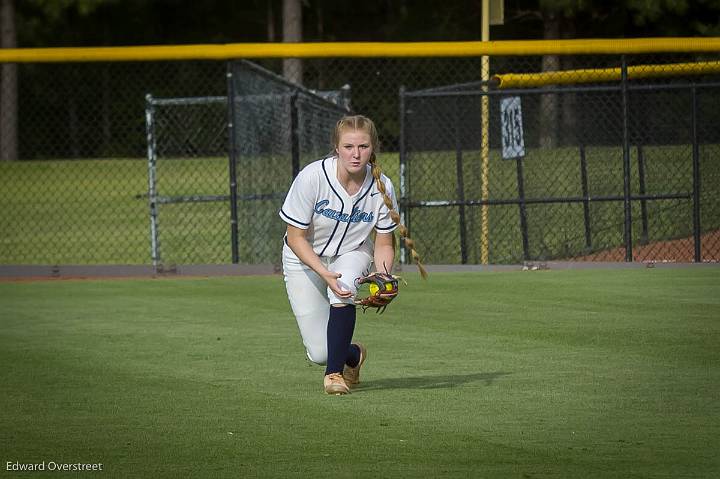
(485, 139)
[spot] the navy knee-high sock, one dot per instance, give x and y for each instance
(341, 326)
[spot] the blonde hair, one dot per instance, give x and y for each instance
(365, 124)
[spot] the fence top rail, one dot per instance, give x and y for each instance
(361, 49)
(198, 100)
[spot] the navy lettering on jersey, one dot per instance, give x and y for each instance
(355, 217)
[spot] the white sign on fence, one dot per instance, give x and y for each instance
(513, 144)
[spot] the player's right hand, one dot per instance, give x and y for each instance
(331, 278)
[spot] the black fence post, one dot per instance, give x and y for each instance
(626, 162)
(643, 201)
(523, 213)
(232, 160)
(404, 208)
(460, 182)
(696, 178)
(294, 137)
(586, 199)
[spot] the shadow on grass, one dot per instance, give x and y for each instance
(431, 382)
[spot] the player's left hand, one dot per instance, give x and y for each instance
(383, 289)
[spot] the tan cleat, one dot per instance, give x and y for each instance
(352, 375)
(335, 384)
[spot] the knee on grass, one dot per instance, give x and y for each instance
(318, 355)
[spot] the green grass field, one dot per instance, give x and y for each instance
(582, 374)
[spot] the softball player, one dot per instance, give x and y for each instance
(332, 210)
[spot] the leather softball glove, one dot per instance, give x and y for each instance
(383, 289)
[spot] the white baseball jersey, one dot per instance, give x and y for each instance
(337, 222)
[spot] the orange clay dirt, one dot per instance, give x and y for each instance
(672, 251)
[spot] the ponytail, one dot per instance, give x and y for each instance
(395, 216)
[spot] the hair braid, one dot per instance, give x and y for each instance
(395, 216)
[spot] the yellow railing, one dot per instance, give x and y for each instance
(361, 49)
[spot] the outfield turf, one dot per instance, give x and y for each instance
(563, 374)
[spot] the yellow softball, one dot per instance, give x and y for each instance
(374, 288)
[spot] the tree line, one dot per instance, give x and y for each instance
(65, 23)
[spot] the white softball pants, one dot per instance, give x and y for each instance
(310, 297)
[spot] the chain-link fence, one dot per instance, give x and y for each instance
(598, 172)
(218, 172)
(84, 189)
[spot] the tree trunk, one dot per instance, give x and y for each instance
(320, 38)
(549, 101)
(569, 100)
(270, 21)
(292, 32)
(8, 86)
